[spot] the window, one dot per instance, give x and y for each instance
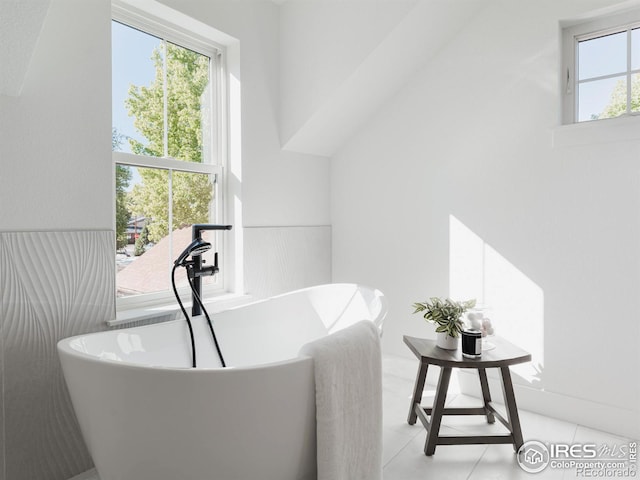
(167, 151)
(602, 71)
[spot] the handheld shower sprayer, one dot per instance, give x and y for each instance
(195, 249)
(194, 271)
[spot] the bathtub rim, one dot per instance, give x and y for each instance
(64, 345)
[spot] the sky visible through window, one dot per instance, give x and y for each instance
(603, 56)
(131, 65)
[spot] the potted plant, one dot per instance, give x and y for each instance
(446, 314)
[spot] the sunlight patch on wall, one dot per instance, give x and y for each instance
(234, 165)
(514, 302)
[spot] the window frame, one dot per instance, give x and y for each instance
(574, 32)
(168, 31)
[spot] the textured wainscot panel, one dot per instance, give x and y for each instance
(54, 285)
(281, 259)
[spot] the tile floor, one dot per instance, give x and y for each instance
(403, 456)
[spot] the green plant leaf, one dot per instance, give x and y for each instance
(419, 307)
(444, 313)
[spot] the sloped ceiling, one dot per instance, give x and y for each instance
(407, 48)
(20, 24)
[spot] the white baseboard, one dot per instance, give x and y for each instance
(607, 418)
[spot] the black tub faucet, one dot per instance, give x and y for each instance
(197, 270)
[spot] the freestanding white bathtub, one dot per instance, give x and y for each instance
(146, 415)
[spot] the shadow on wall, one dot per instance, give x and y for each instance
(515, 303)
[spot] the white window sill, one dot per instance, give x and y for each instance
(213, 305)
(620, 129)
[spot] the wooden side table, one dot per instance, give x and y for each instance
(504, 355)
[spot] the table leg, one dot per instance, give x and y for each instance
(436, 412)
(417, 392)
(512, 408)
(486, 395)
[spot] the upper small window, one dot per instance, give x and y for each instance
(602, 69)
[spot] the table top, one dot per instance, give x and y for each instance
(503, 355)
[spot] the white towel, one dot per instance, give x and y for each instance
(348, 377)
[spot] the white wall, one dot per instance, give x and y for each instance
(55, 149)
(323, 43)
(461, 165)
(342, 60)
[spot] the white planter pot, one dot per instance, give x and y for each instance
(445, 341)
